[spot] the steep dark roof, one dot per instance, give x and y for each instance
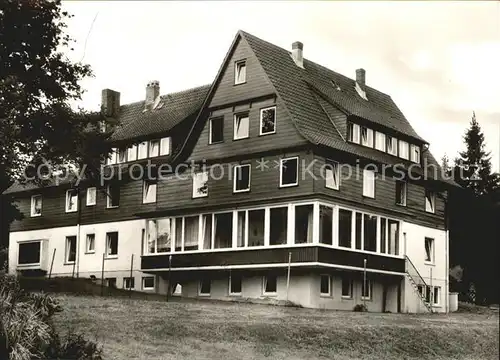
(307, 94)
(172, 109)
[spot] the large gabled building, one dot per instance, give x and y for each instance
(286, 181)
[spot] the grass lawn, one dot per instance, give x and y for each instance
(142, 329)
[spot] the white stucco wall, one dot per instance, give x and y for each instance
(435, 274)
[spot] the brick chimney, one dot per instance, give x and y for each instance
(110, 102)
(360, 77)
(297, 53)
(152, 93)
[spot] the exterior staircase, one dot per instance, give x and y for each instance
(416, 280)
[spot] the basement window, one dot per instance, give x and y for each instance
(29, 253)
(240, 72)
(347, 285)
(234, 285)
(325, 285)
(216, 134)
(241, 126)
(70, 255)
(289, 170)
(148, 283)
(204, 287)
(128, 283)
(268, 120)
(71, 200)
(270, 285)
(366, 290)
(112, 244)
(241, 180)
(36, 205)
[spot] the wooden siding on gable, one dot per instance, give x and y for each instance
(286, 134)
(351, 194)
(257, 83)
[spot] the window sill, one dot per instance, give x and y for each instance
(110, 257)
(216, 142)
(325, 295)
(90, 204)
(148, 202)
(89, 252)
(288, 185)
(368, 197)
(113, 207)
(148, 289)
(241, 138)
(235, 294)
(332, 188)
(401, 205)
(366, 299)
(204, 295)
(70, 211)
(344, 297)
(240, 83)
(270, 294)
(199, 196)
(428, 263)
(241, 191)
(69, 263)
(36, 215)
(267, 133)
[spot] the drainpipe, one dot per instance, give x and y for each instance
(77, 255)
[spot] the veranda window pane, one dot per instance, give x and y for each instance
(278, 230)
(303, 224)
(191, 228)
(223, 226)
(325, 224)
(256, 227)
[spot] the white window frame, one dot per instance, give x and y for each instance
(405, 192)
(132, 152)
(201, 176)
(369, 137)
(19, 251)
(432, 250)
(237, 117)
(351, 287)
(394, 145)
(210, 122)
(237, 70)
(260, 122)
(130, 279)
(143, 280)
(87, 197)
(329, 293)
(88, 250)
(152, 144)
(143, 146)
(108, 247)
(67, 249)
(430, 206)
(146, 185)
(369, 175)
(415, 153)
(33, 202)
(235, 177)
(231, 293)
(404, 149)
(333, 174)
(380, 137)
(68, 209)
(108, 199)
(165, 145)
(369, 287)
(281, 172)
(355, 135)
(200, 287)
(264, 283)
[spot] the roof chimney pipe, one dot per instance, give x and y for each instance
(110, 102)
(152, 93)
(297, 54)
(360, 77)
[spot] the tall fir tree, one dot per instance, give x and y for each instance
(473, 166)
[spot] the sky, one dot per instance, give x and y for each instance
(439, 61)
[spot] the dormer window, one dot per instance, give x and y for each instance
(122, 155)
(240, 72)
(132, 153)
(353, 133)
(380, 141)
(366, 136)
(392, 145)
(142, 151)
(154, 148)
(361, 92)
(165, 146)
(415, 154)
(404, 150)
(112, 157)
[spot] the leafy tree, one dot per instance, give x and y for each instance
(37, 82)
(473, 167)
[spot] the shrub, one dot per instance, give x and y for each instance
(26, 329)
(360, 308)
